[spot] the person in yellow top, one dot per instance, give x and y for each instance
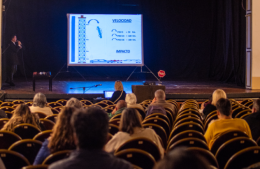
(224, 123)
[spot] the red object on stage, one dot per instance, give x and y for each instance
(161, 73)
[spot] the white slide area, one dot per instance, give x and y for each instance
(105, 40)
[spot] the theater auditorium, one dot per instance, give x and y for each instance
(130, 84)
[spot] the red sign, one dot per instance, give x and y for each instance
(161, 73)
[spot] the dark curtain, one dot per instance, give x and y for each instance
(227, 58)
(189, 39)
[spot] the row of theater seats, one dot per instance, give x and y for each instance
(186, 129)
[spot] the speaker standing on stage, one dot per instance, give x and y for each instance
(119, 93)
(12, 58)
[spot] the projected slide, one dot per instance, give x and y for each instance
(105, 40)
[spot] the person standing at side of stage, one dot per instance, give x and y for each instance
(12, 58)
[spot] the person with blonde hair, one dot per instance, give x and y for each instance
(73, 102)
(130, 99)
(119, 93)
(131, 127)
(61, 138)
(211, 106)
(39, 104)
(22, 114)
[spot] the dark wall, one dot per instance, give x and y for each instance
(189, 39)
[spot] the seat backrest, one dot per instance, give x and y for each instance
(159, 115)
(10, 104)
(7, 138)
(36, 167)
(113, 129)
(209, 115)
(186, 134)
(41, 115)
(160, 122)
(28, 148)
(142, 143)
(62, 101)
(86, 102)
(115, 121)
(102, 104)
(3, 121)
(243, 112)
(43, 135)
(189, 142)
(231, 147)
(213, 117)
(141, 112)
(188, 119)
(244, 158)
(54, 104)
(159, 130)
(206, 154)
(186, 126)
(26, 131)
(189, 112)
(224, 137)
(116, 116)
(55, 111)
(48, 124)
(56, 157)
(185, 116)
(13, 160)
(52, 118)
(137, 157)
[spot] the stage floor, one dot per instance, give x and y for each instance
(174, 89)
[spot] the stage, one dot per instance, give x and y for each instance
(179, 89)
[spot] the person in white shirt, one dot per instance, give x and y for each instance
(39, 104)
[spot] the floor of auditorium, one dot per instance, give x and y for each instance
(174, 89)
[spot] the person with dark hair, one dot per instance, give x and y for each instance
(182, 158)
(61, 138)
(131, 127)
(224, 122)
(12, 58)
(90, 127)
(253, 120)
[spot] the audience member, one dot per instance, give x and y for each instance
(253, 119)
(217, 94)
(119, 93)
(22, 114)
(224, 122)
(39, 105)
(182, 158)
(120, 106)
(61, 138)
(131, 127)
(90, 135)
(130, 99)
(73, 102)
(159, 100)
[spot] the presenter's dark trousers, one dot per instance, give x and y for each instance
(12, 70)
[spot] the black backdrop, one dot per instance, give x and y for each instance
(189, 39)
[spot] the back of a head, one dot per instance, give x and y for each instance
(73, 102)
(62, 136)
(130, 99)
(39, 100)
(159, 94)
(182, 158)
(22, 110)
(91, 128)
(224, 106)
(120, 104)
(129, 120)
(256, 105)
(119, 86)
(218, 94)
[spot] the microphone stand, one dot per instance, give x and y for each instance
(84, 88)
